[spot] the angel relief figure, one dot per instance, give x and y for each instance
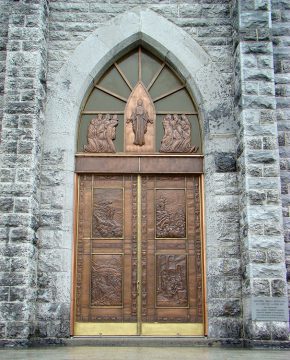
(139, 120)
(177, 135)
(101, 133)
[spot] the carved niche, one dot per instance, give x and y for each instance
(101, 133)
(140, 121)
(170, 214)
(171, 281)
(177, 135)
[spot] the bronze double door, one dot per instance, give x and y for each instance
(139, 256)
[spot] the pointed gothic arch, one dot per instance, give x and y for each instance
(108, 42)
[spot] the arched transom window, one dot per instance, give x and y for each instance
(139, 106)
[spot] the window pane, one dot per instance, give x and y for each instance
(177, 102)
(165, 82)
(100, 101)
(114, 82)
(129, 66)
(149, 66)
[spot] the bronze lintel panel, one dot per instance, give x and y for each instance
(150, 164)
(171, 165)
(110, 164)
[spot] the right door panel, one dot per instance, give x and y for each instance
(172, 291)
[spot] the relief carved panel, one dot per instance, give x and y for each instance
(101, 133)
(177, 135)
(170, 213)
(171, 273)
(107, 221)
(140, 121)
(106, 280)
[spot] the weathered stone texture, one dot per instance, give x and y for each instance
(20, 162)
(258, 161)
(281, 41)
(207, 21)
(4, 17)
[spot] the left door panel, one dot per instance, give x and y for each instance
(106, 282)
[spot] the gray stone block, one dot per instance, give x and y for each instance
(225, 162)
(257, 48)
(280, 331)
(6, 204)
(233, 287)
(19, 293)
(257, 330)
(257, 256)
(224, 308)
(225, 328)
(261, 287)
(4, 292)
(254, 143)
(2, 330)
(18, 330)
(257, 197)
(262, 157)
(278, 287)
(254, 19)
(14, 311)
(255, 170)
(52, 219)
(273, 197)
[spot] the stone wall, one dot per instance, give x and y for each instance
(23, 118)
(261, 233)
(4, 16)
(72, 21)
(281, 42)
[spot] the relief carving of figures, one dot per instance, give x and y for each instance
(106, 222)
(106, 280)
(101, 133)
(171, 280)
(170, 220)
(177, 135)
(139, 120)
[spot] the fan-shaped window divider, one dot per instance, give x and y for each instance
(139, 105)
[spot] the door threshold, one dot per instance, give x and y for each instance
(138, 340)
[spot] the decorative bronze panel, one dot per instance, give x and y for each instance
(124, 164)
(170, 213)
(171, 250)
(106, 255)
(101, 133)
(107, 216)
(145, 268)
(177, 135)
(171, 281)
(140, 121)
(106, 280)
